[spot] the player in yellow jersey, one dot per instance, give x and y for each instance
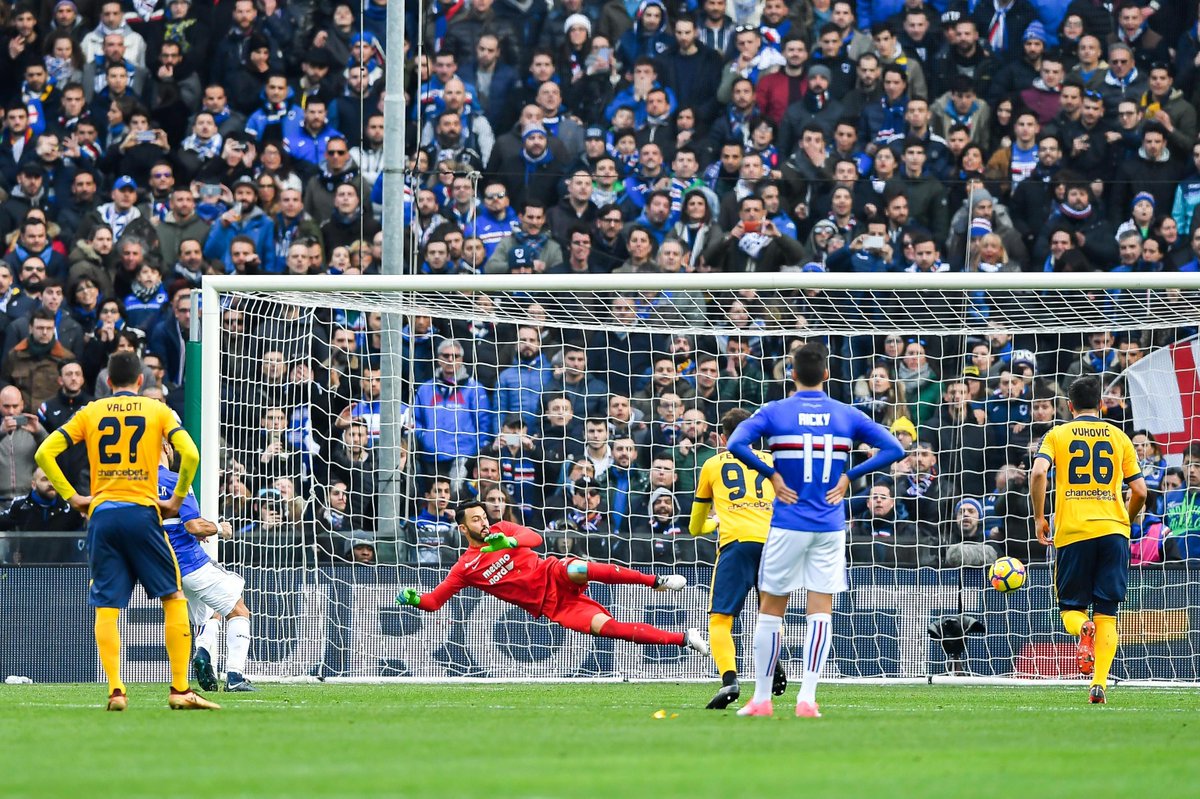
(124, 434)
(742, 500)
(1091, 460)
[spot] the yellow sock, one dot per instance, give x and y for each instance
(108, 643)
(1073, 620)
(177, 633)
(1106, 648)
(720, 639)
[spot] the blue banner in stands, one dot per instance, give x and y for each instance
(343, 622)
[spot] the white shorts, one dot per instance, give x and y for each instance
(793, 560)
(211, 588)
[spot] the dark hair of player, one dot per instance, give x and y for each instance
(1084, 394)
(124, 369)
(732, 418)
(460, 514)
(173, 459)
(810, 363)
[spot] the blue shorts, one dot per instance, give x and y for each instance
(1092, 572)
(125, 545)
(734, 575)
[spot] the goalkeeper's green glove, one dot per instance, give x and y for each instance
(499, 541)
(409, 596)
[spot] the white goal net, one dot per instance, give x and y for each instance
(345, 416)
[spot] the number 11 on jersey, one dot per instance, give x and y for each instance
(822, 445)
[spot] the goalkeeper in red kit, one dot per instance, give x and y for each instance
(500, 561)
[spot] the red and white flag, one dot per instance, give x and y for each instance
(1165, 392)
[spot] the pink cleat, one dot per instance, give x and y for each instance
(752, 708)
(807, 710)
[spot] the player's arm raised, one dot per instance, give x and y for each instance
(513, 535)
(740, 443)
(47, 458)
(189, 461)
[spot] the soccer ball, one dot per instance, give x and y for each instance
(1007, 574)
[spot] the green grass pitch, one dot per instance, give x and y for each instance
(600, 740)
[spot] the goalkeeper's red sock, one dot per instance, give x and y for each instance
(617, 575)
(639, 633)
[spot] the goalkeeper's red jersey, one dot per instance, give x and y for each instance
(517, 576)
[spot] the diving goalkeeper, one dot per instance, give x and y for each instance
(500, 561)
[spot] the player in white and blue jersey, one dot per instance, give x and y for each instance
(811, 438)
(212, 592)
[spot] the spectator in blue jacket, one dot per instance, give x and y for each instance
(520, 386)
(452, 414)
(885, 117)
(146, 299)
(306, 133)
(268, 121)
(244, 219)
(645, 78)
(648, 38)
(495, 220)
(1008, 419)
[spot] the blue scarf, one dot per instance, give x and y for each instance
(204, 149)
(739, 124)
(961, 119)
(44, 255)
(100, 84)
(532, 164)
(893, 115)
(87, 318)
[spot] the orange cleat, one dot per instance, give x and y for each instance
(190, 700)
(117, 701)
(1085, 655)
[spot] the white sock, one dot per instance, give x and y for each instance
(206, 638)
(237, 638)
(817, 634)
(767, 644)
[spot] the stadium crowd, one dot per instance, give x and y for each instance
(146, 143)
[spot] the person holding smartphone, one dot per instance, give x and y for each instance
(20, 435)
(243, 219)
(754, 244)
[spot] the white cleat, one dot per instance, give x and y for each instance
(692, 639)
(670, 582)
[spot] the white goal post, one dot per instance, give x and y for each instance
(898, 342)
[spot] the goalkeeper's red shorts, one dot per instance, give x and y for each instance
(567, 603)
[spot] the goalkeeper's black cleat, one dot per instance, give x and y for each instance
(725, 697)
(779, 681)
(1096, 696)
(202, 665)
